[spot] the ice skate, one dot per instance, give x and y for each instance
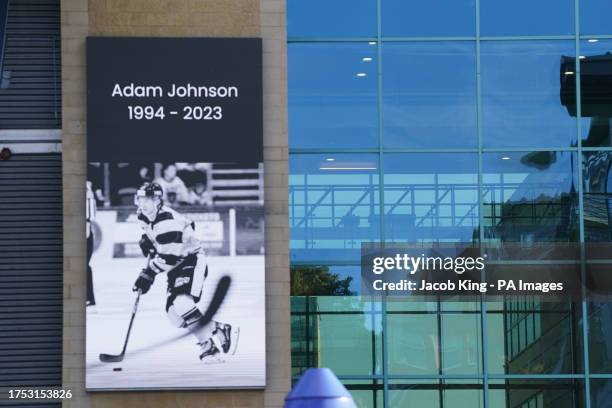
(230, 338)
(210, 353)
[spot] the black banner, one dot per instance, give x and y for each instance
(174, 98)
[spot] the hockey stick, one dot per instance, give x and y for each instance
(215, 303)
(114, 358)
(217, 300)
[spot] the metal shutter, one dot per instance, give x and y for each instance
(31, 272)
(3, 11)
(30, 95)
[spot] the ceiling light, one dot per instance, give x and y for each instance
(330, 159)
(582, 57)
(361, 74)
(569, 72)
(593, 40)
(372, 42)
(367, 59)
(505, 158)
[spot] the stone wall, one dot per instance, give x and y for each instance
(176, 18)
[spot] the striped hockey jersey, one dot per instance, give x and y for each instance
(172, 234)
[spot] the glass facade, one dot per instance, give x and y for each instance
(448, 121)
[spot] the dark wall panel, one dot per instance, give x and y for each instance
(31, 290)
(30, 88)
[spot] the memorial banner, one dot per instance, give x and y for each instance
(175, 217)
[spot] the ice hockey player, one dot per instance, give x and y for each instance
(170, 245)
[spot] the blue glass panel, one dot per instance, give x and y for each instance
(433, 394)
(521, 94)
(601, 393)
(333, 206)
(431, 197)
(525, 17)
(596, 92)
(595, 17)
(331, 18)
(429, 94)
(332, 282)
(540, 393)
(530, 197)
(402, 18)
(413, 342)
(342, 333)
(600, 336)
(332, 95)
(597, 199)
(461, 344)
(515, 346)
(365, 396)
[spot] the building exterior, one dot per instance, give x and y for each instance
(447, 121)
(42, 187)
(384, 121)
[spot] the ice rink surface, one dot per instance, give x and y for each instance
(159, 355)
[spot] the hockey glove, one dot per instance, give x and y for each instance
(144, 281)
(146, 246)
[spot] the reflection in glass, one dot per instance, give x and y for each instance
(346, 339)
(595, 92)
(521, 105)
(410, 304)
(302, 353)
(431, 197)
(417, 395)
(323, 280)
(345, 344)
(600, 337)
(366, 394)
(401, 18)
(601, 393)
(413, 344)
(333, 205)
(597, 200)
(533, 337)
(530, 197)
(332, 95)
(434, 343)
(597, 203)
(461, 340)
(335, 287)
(438, 394)
(595, 16)
(337, 18)
(429, 94)
(525, 17)
(536, 394)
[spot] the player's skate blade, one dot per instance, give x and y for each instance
(234, 335)
(211, 360)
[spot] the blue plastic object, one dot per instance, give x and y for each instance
(319, 388)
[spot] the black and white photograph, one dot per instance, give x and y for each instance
(174, 215)
(175, 275)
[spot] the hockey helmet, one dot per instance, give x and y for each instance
(149, 190)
